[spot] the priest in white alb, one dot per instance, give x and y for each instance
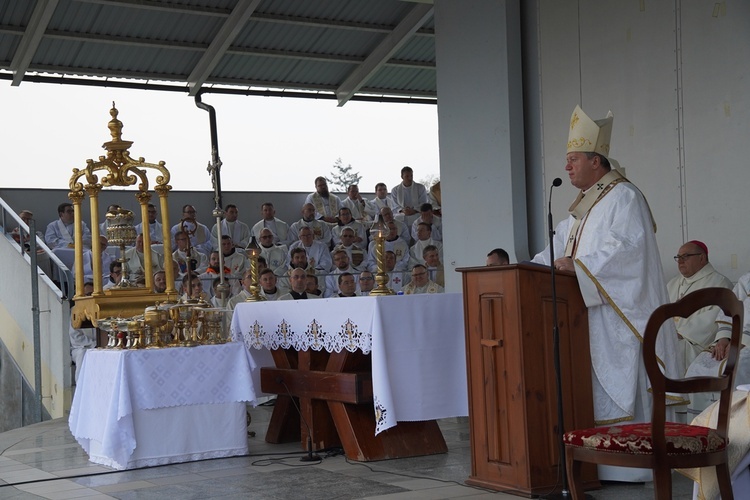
(609, 242)
(696, 333)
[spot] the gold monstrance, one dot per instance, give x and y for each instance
(119, 169)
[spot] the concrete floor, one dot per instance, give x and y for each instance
(44, 461)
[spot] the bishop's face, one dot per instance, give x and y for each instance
(582, 171)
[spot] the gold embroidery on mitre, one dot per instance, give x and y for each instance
(573, 120)
(579, 142)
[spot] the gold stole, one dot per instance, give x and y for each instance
(320, 208)
(586, 201)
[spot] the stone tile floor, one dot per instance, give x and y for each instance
(44, 461)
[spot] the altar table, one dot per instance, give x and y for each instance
(146, 407)
(322, 351)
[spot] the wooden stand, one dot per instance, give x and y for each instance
(334, 391)
(512, 387)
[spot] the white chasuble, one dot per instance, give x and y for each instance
(619, 273)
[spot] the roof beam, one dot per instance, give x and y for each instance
(164, 7)
(380, 55)
(31, 39)
(221, 42)
(330, 23)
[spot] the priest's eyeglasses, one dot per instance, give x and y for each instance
(684, 256)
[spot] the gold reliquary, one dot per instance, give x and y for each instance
(118, 169)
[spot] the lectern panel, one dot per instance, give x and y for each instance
(493, 364)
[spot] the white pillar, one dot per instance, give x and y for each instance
(480, 116)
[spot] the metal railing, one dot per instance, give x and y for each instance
(58, 271)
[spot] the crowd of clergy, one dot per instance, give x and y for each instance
(331, 242)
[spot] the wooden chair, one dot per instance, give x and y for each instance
(659, 445)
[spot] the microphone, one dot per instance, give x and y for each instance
(557, 182)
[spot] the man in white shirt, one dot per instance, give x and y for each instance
(60, 233)
(712, 361)
(235, 261)
(347, 285)
(155, 229)
(200, 236)
(408, 196)
(382, 199)
(424, 239)
(340, 266)
(298, 280)
(247, 282)
(193, 260)
(137, 262)
(361, 209)
(697, 332)
(321, 230)
(326, 205)
(104, 225)
(421, 283)
(276, 255)
(81, 339)
(269, 285)
(230, 226)
(403, 230)
(397, 279)
(297, 260)
(115, 275)
(393, 244)
(426, 216)
(434, 265)
(278, 227)
(358, 256)
(346, 220)
(366, 283)
(318, 255)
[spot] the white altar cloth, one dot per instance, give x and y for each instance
(135, 408)
(416, 341)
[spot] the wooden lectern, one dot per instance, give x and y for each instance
(511, 375)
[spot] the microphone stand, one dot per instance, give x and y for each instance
(565, 493)
(310, 457)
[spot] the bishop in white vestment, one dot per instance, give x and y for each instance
(609, 242)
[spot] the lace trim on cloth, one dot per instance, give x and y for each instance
(316, 336)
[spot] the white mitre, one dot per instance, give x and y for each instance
(589, 136)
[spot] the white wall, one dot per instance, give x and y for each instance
(630, 63)
(675, 75)
(16, 330)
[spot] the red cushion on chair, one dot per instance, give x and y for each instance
(636, 439)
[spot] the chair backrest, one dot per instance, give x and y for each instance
(661, 384)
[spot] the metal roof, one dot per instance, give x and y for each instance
(342, 49)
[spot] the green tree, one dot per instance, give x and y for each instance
(342, 177)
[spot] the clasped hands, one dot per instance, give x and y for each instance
(564, 264)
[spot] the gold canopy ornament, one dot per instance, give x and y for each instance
(120, 170)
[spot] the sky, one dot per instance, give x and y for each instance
(265, 143)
